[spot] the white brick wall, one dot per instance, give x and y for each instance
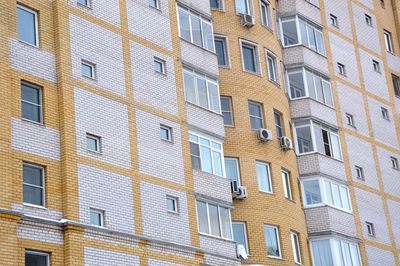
(343, 52)
(300, 55)
(301, 108)
(340, 9)
(368, 3)
(101, 257)
(393, 62)
(379, 257)
(149, 23)
(218, 261)
(291, 7)
(370, 208)
(111, 238)
(366, 35)
(153, 262)
(320, 164)
(40, 232)
(384, 130)
(199, 5)
(351, 101)
(109, 192)
(394, 212)
(32, 60)
(200, 58)
(105, 10)
(107, 119)
(218, 246)
(100, 47)
(390, 176)
(152, 88)
(36, 139)
(157, 157)
(361, 154)
(157, 221)
(204, 120)
(374, 82)
(213, 186)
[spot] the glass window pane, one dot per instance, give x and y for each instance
(345, 198)
(296, 83)
(208, 36)
(239, 234)
(202, 217)
(319, 138)
(35, 260)
(336, 196)
(214, 98)
(30, 94)
(91, 144)
(226, 109)
(26, 26)
(328, 192)
(320, 42)
(184, 24)
(31, 112)
(355, 255)
(206, 159)
(271, 236)
(220, 50)
(272, 68)
(95, 218)
(312, 192)
(241, 7)
(225, 223)
(304, 139)
(249, 58)
(32, 175)
(327, 93)
(214, 220)
(33, 195)
(215, 4)
(195, 155)
(196, 30)
(311, 38)
(189, 88)
(289, 32)
(202, 91)
(265, 14)
(263, 177)
(337, 154)
(231, 168)
(320, 92)
(296, 247)
(303, 33)
(217, 159)
(321, 252)
(311, 85)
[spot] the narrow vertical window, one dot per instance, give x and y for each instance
(86, 3)
(27, 25)
(395, 163)
(31, 102)
(232, 169)
(272, 241)
(370, 229)
(266, 19)
(287, 186)
(226, 109)
(33, 185)
(376, 66)
(349, 119)
(250, 57)
(244, 7)
(359, 172)
(278, 124)
(272, 67)
(154, 4)
(296, 247)
(368, 20)
(341, 69)
(333, 20)
(96, 217)
(396, 85)
(385, 113)
(35, 258)
(263, 177)
(388, 41)
(240, 234)
(217, 4)
(221, 51)
(256, 115)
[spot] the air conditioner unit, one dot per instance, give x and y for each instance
(241, 252)
(247, 20)
(286, 143)
(234, 187)
(264, 134)
(241, 194)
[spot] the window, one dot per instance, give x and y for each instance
(250, 57)
(272, 67)
(28, 31)
(266, 18)
(221, 51)
(201, 90)
(383, 3)
(159, 65)
(385, 113)
(31, 102)
(93, 142)
(297, 31)
(326, 192)
(359, 172)
(244, 7)
(214, 220)
(263, 177)
(304, 83)
(88, 69)
(349, 119)
(334, 20)
(370, 228)
(310, 133)
(325, 252)
(35, 258)
(33, 184)
(206, 155)
(388, 41)
(172, 204)
(166, 133)
(86, 3)
(256, 115)
(226, 109)
(232, 169)
(396, 85)
(395, 163)
(154, 4)
(377, 66)
(314, 2)
(195, 28)
(287, 186)
(278, 123)
(341, 69)
(217, 4)
(272, 241)
(368, 20)
(96, 217)
(240, 234)
(296, 247)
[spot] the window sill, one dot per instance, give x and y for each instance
(99, 153)
(30, 45)
(172, 212)
(89, 78)
(268, 28)
(253, 73)
(217, 9)
(167, 141)
(276, 258)
(202, 108)
(276, 83)
(34, 206)
(266, 192)
(217, 238)
(322, 205)
(33, 122)
(224, 66)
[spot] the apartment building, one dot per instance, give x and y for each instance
(197, 132)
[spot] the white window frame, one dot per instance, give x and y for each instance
(219, 219)
(39, 253)
(350, 120)
(169, 132)
(36, 26)
(277, 238)
(388, 41)
(370, 229)
(42, 168)
(212, 149)
(256, 55)
(261, 111)
(87, 5)
(92, 67)
(359, 172)
(245, 234)
(249, 7)
(99, 212)
(287, 184)
(377, 66)
(175, 203)
(396, 85)
(333, 20)
(268, 167)
(229, 99)
(226, 45)
(237, 168)
(395, 163)
(296, 247)
(274, 76)
(385, 113)
(97, 140)
(163, 66)
(40, 104)
(267, 6)
(322, 191)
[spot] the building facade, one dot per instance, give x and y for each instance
(197, 132)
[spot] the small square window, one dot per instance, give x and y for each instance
(172, 204)
(334, 20)
(35, 258)
(370, 228)
(159, 65)
(395, 163)
(388, 41)
(154, 4)
(93, 142)
(385, 113)
(86, 3)
(88, 69)
(377, 66)
(272, 67)
(359, 172)
(226, 109)
(349, 120)
(96, 217)
(165, 133)
(341, 69)
(368, 20)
